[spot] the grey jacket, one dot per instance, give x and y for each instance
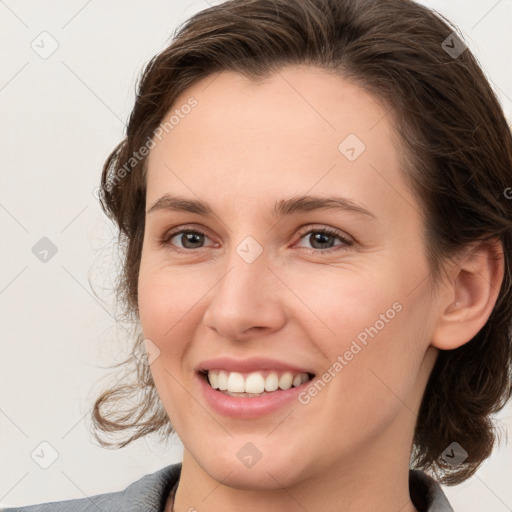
(149, 494)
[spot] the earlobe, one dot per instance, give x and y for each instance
(475, 284)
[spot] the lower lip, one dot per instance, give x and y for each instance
(244, 407)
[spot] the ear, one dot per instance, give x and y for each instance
(475, 282)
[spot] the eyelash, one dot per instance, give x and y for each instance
(164, 241)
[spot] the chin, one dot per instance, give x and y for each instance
(227, 465)
(263, 477)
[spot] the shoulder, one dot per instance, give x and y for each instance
(148, 494)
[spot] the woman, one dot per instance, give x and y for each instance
(312, 198)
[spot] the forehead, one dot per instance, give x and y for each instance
(297, 129)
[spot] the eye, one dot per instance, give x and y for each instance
(188, 238)
(323, 239)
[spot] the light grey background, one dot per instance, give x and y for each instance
(60, 117)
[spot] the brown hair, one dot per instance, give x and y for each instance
(459, 162)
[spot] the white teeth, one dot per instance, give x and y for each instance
(214, 379)
(297, 381)
(236, 382)
(254, 384)
(286, 380)
(271, 382)
(223, 380)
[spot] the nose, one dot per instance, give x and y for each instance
(247, 302)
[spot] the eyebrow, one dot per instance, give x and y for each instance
(282, 208)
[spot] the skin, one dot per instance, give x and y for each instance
(245, 146)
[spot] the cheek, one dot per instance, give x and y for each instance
(167, 315)
(167, 299)
(371, 330)
(379, 365)
(339, 302)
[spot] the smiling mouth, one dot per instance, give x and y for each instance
(254, 384)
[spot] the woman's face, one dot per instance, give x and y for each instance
(237, 280)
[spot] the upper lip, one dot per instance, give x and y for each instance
(253, 364)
